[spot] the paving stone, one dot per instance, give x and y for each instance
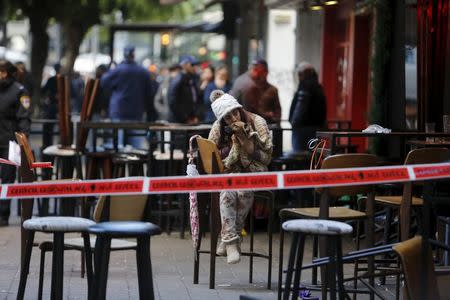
(172, 265)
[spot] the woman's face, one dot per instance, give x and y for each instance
(207, 74)
(222, 74)
(232, 117)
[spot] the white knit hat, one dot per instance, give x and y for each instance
(222, 103)
(303, 66)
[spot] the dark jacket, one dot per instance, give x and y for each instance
(262, 99)
(242, 83)
(50, 104)
(209, 116)
(184, 98)
(14, 111)
(131, 91)
(259, 98)
(308, 107)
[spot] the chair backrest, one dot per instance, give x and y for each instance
(410, 253)
(25, 146)
(353, 160)
(121, 208)
(427, 156)
(210, 156)
(90, 93)
(63, 92)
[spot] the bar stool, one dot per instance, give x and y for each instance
(169, 209)
(333, 230)
(58, 226)
(209, 164)
(126, 164)
(106, 231)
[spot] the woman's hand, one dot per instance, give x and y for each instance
(248, 145)
(243, 142)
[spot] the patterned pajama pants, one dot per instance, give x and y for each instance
(234, 207)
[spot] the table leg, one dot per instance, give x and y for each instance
(370, 207)
(25, 214)
(215, 229)
(405, 211)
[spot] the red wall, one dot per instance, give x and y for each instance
(345, 66)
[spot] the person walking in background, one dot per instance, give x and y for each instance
(24, 77)
(221, 82)
(184, 95)
(241, 85)
(257, 95)
(308, 108)
(101, 101)
(131, 92)
(15, 115)
(49, 106)
(162, 95)
(151, 112)
(245, 145)
(206, 77)
(76, 92)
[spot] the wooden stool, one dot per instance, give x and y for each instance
(134, 163)
(333, 231)
(106, 231)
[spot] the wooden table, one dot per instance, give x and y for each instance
(431, 195)
(334, 135)
(427, 144)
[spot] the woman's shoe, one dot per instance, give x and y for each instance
(221, 249)
(233, 253)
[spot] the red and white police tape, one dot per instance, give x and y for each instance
(243, 181)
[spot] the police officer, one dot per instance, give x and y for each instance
(14, 116)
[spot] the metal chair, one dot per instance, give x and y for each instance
(56, 225)
(108, 208)
(333, 231)
(210, 163)
(325, 211)
(407, 200)
(106, 231)
(415, 264)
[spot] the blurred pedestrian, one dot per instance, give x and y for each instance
(101, 101)
(184, 94)
(151, 113)
(221, 82)
(245, 144)
(162, 95)
(256, 94)
(49, 106)
(76, 92)
(206, 77)
(15, 114)
(24, 77)
(131, 92)
(308, 108)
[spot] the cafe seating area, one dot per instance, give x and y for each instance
(372, 261)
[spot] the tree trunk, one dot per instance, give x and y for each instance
(73, 35)
(39, 52)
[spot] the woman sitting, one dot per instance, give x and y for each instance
(245, 144)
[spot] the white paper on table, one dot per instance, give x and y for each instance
(14, 152)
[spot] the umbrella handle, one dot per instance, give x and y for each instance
(191, 149)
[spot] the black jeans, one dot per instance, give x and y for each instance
(7, 175)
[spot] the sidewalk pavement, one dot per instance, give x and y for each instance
(172, 263)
